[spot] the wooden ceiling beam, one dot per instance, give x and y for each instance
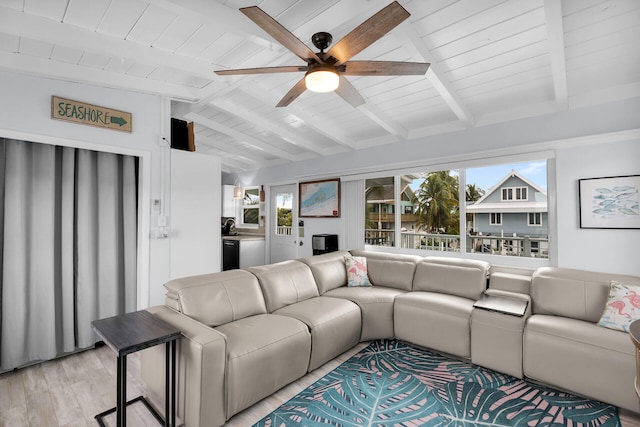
(412, 41)
(265, 124)
(213, 13)
(65, 71)
(555, 38)
(197, 118)
(247, 161)
(269, 98)
(378, 117)
(71, 36)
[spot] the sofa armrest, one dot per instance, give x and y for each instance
(509, 294)
(200, 369)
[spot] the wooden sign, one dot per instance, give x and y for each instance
(88, 114)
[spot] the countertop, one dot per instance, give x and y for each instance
(244, 237)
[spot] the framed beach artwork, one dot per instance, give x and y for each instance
(319, 199)
(610, 202)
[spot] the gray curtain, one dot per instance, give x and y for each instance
(68, 221)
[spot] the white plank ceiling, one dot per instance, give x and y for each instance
(491, 61)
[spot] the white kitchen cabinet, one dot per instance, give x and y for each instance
(228, 202)
(251, 252)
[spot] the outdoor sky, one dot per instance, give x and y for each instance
(486, 177)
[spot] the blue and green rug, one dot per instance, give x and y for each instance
(391, 383)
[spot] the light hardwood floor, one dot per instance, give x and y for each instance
(70, 391)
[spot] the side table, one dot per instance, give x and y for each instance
(131, 332)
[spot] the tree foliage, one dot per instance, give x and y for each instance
(438, 208)
(285, 217)
(473, 193)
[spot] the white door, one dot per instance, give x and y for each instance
(284, 220)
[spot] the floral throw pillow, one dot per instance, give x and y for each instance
(623, 306)
(357, 271)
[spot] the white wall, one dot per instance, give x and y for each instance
(320, 226)
(26, 113)
(195, 207)
(614, 251)
(516, 137)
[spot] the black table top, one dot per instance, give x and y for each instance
(131, 332)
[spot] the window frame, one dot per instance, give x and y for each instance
(535, 215)
(513, 192)
(243, 206)
(493, 216)
(463, 165)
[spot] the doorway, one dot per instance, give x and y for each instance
(283, 217)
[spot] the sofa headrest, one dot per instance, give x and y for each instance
(578, 294)
(389, 269)
(217, 298)
(285, 283)
(465, 278)
(328, 270)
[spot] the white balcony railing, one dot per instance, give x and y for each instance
(284, 230)
(522, 246)
(433, 242)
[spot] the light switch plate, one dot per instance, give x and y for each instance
(155, 206)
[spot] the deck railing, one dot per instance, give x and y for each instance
(284, 230)
(433, 242)
(522, 246)
(379, 237)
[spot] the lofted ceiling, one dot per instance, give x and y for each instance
(491, 61)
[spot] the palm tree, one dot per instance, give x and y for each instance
(473, 193)
(438, 205)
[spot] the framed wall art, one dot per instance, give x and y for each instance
(319, 199)
(609, 202)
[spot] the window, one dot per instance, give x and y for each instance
(250, 206)
(495, 218)
(425, 206)
(519, 193)
(284, 220)
(535, 218)
(523, 186)
(380, 221)
(421, 211)
(435, 222)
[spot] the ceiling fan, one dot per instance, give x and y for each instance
(325, 71)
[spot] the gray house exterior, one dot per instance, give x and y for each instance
(513, 207)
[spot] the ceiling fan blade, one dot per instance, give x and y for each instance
(368, 32)
(385, 68)
(262, 70)
(349, 93)
(280, 33)
(295, 92)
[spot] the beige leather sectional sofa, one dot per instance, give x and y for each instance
(246, 334)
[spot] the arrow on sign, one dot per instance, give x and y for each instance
(118, 120)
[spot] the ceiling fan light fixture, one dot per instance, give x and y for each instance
(322, 79)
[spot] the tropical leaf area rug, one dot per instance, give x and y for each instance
(391, 383)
